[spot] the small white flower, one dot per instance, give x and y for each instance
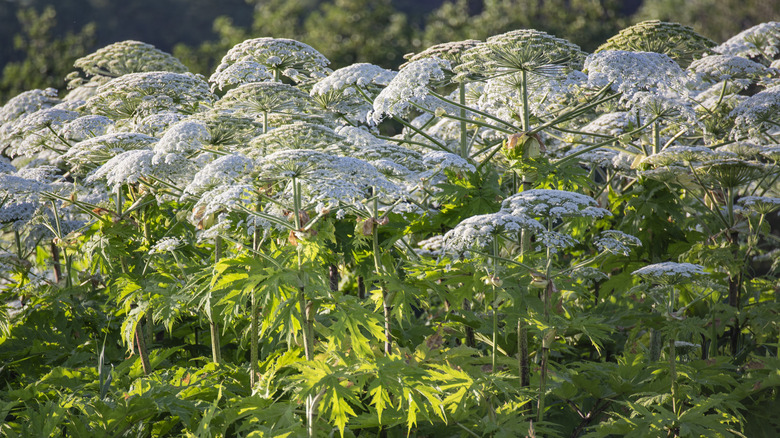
(554, 204)
(480, 231)
(616, 242)
(670, 272)
(409, 89)
(228, 169)
(760, 204)
(761, 42)
(631, 72)
(165, 245)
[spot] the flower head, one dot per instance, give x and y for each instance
(480, 231)
(554, 204)
(186, 136)
(758, 112)
(225, 170)
(450, 51)
(760, 43)
(520, 50)
(279, 56)
(27, 103)
(760, 204)
(410, 88)
(142, 94)
(298, 135)
(679, 42)
(632, 72)
(126, 57)
(739, 70)
(166, 244)
(616, 242)
(257, 98)
(86, 127)
(670, 272)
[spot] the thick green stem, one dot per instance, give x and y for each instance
(216, 351)
(378, 269)
(142, 352)
(55, 260)
(464, 137)
(253, 356)
(656, 138)
(673, 373)
(526, 108)
(522, 348)
(656, 342)
(542, 382)
(494, 304)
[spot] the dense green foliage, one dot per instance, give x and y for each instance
(558, 243)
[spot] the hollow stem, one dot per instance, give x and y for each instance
(253, 356)
(142, 352)
(216, 352)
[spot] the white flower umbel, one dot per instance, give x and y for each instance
(431, 247)
(184, 137)
(166, 244)
(450, 51)
(225, 170)
(327, 178)
(680, 42)
(142, 94)
(410, 89)
(612, 124)
(682, 155)
(631, 72)
(760, 42)
(6, 166)
(347, 91)
(553, 204)
(760, 204)
(241, 72)
(86, 127)
(526, 50)
(258, 98)
(438, 161)
(361, 75)
(27, 103)
(16, 185)
(154, 124)
(228, 129)
(479, 232)
(211, 210)
(34, 132)
(717, 68)
(670, 272)
(98, 150)
(126, 57)
(298, 135)
(757, 113)
(665, 104)
(280, 56)
(616, 242)
(360, 143)
(126, 168)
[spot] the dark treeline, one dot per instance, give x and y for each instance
(41, 39)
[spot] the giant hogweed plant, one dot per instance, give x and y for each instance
(556, 244)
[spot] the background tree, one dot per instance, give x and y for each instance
(716, 19)
(346, 31)
(47, 59)
(585, 22)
